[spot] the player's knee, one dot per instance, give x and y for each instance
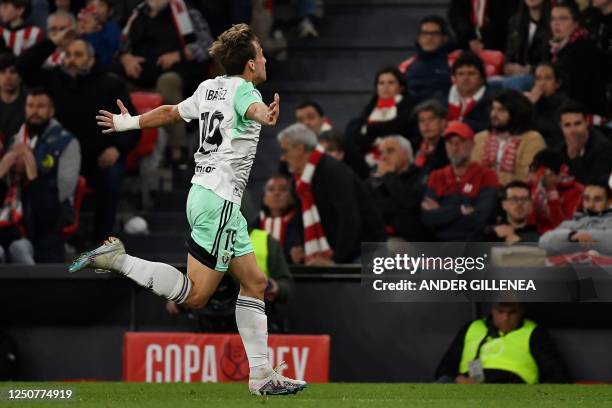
(196, 302)
(256, 287)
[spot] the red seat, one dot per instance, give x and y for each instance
(493, 60)
(79, 193)
(143, 102)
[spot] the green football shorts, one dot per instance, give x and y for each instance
(219, 231)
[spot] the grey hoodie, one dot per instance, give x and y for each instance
(600, 228)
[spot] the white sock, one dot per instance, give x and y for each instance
(161, 278)
(252, 325)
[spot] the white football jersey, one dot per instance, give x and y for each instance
(228, 140)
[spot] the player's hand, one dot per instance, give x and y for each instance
(172, 308)
(476, 46)
(62, 38)
(273, 111)
(271, 291)
(106, 119)
(582, 237)
(462, 379)
(320, 261)
(429, 204)
(297, 254)
(109, 157)
(504, 231)
(167, 60)
(131, 65)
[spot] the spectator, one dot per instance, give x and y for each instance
(598, 21)
(333, 143)
(469, 97)
(547, 97)
(514, 226)
(12, 99)
(311, 114)
(427, 73)
(333, 201)
(79, 90)
(278, 218)
(101, 32)
(15, 35)
(387, 113)
(398, 191)
(58, 160)
(172, 58)
(506, 347)
(586, 151)
(431, 117)
(17, 167)
(510, 143)
(592, 227)
(577, 57)
(528, 37)
(555, 196)
(57, 22)
(461, 197)
(481, 24)
(153, 44)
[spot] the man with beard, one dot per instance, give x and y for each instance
(461, 197)
(43, 168)
(590, 229)
(79, 90)
(510, 144)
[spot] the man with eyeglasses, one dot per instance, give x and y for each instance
(514, 226)
(428, 73)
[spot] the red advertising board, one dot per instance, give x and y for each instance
(189, 357)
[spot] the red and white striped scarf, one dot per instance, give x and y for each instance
(54, 60)
(23, 136)
(479, 12)
(422, 155)
(384, 111)
(11, 210)
(276, 226)
(21, 39)
(180, 17)
(508, 157)
(458, 107)
(557, 46)
(315, 242)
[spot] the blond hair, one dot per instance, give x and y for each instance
(234, 48)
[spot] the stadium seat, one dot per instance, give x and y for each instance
(79, 193)
(143, 102)
(493, 60)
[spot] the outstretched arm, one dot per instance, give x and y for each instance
(266, 115)
(160, 116)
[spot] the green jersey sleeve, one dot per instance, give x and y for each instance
(246, 95)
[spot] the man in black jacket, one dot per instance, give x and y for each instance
(580, 62)
(502, 348)
(481, 24)
(79, 90)
(397, 189)
(587, 153)
(347, 214)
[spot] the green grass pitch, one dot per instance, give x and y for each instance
(319, 395)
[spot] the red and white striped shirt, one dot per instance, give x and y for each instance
(22, 38)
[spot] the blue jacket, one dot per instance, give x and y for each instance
(428, 74)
